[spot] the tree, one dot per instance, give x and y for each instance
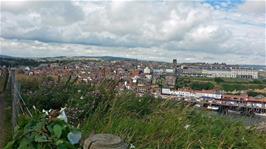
(201, 86)
(218, 80)
(183, 82)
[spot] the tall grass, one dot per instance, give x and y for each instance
(169, 124)
(145, 122)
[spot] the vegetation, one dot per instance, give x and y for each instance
(13, 62)
(7, 110)
(202, 86)
(254, 93)
(42, 132)
(146, 122)
(183, 82)
(225, 84)
(218, 80)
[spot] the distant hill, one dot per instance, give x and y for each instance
(22, 61)
(256, 67)
(6, 56)
(5, 59)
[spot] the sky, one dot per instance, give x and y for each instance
(230, 31)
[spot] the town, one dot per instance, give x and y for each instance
(161, 79)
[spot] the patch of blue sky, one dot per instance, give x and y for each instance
(227, 5)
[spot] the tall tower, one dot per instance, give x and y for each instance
(174, 62)
(175, 65)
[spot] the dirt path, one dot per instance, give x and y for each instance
(2, 119)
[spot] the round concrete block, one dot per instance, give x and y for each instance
(104, 141)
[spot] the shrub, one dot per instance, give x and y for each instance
(40, 132)
(232, 87)
(183, 82)
(202, 86)
(218, 80)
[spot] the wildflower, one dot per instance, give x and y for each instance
(45, 111)
(187, 126)
(62, 115)
(132, 146)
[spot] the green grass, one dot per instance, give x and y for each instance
(7, 110)
(8, 117)
(169, 124)
(1, 84)
(146, 122)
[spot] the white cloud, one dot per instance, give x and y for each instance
(253, 7)
(190, 31)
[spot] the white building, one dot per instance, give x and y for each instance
(196, 94)
(232, 73)
(147, 70)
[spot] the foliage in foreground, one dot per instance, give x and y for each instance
(146, 122)
(40, 132)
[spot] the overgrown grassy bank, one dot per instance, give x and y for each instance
(148, 123)
(145, 122)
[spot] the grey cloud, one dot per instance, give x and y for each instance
(134, 28)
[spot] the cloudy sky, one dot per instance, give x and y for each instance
(231, 31)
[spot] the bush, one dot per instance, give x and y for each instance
(254, 94)
(256, 81)
(202, 86)
(232, 87)
(183, 82)
(218, 80)
(40, 132)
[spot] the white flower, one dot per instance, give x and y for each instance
(81, 97)
(132, 146)
(62, 115)
(45, 111)
(187, 126)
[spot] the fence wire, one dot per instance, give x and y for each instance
(18, 103)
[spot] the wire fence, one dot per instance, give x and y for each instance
(19, 106)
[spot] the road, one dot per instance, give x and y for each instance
(2, 120)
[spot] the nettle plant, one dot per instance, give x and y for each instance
(42, 131)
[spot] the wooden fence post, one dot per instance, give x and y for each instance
(6, 79)
(14, 99)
